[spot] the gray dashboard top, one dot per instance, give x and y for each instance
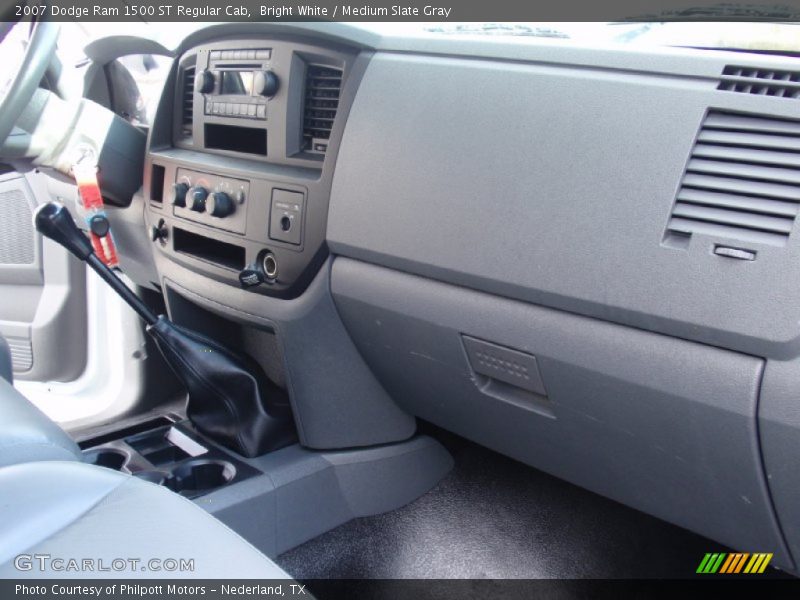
(651, 59)
(548, 173)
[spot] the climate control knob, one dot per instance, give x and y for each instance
(265, 83)
(179, 191)
(197, 199)
(220, 204)
(204, 83)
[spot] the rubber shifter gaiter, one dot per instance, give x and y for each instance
(230, 398)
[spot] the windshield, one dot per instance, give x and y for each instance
(779, 37)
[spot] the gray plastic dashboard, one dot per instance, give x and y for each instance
(554, 184)
(551, 201)
(252, 147)
(615, 225)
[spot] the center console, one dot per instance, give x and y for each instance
(170, 453)
(241, 156)
(237, 181)
(275, 501)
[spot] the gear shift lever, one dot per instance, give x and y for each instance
(230, 398)
(53, 220)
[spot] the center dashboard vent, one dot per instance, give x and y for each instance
(762, 82)
(742, 180)
(187, 100)
(323, 86)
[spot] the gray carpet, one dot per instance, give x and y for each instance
(493, 517)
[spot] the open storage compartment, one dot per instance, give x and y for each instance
(201, 475)
(205, 248)
(110, 458)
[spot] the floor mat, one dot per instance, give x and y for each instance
(493, 517)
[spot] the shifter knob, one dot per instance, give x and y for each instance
(53, 220)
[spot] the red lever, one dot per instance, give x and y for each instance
(92, 200)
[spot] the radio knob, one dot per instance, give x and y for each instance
(265, 83)
(179, 194)
(220, 205)
(204, 83)
(198, 199)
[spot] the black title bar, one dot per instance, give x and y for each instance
(403, 10)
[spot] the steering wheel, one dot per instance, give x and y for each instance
(38, 54)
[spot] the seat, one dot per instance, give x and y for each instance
(27, 434)
(101, 519)
(62, 518)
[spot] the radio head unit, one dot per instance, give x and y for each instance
(237, 83)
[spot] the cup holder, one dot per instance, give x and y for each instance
(108, 458)
(200, 475)
(156, 477)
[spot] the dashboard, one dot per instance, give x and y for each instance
(240, 161)
(584, 258)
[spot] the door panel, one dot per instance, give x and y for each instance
(43, 311)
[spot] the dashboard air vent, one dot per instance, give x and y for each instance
(323, 85)
(187, 100)
(763, 82)
(742, 180)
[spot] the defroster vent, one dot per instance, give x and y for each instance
(760, 81)
(742, 180)
(323, 85)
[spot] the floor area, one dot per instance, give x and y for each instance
(493, 517)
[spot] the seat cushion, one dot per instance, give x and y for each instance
(76, 511)
(27, 434)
